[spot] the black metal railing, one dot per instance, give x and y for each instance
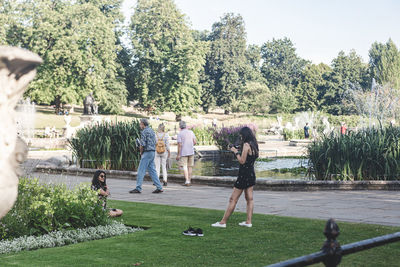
(331, 252)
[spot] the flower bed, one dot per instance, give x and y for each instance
(62, 238)
(229, 135)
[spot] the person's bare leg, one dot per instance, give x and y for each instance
(190, 169)
(248, 193)
(232, 204)
(186, 174)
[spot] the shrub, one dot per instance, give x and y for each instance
(204, 136)
(41, 209)
(350, 120)
(108, 146)
(229, 135)
(293, 134)
(369, 154)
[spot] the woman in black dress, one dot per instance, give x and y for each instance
(246, 177)
(99, 184)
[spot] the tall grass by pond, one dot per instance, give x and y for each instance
(369, 154)
(108, 146)
(204, 136)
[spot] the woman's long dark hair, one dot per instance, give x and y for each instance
(248, 137)
(96, 182)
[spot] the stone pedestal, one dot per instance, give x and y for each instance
(88, 120)
(68, 132)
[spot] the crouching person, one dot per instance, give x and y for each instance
(99, 184)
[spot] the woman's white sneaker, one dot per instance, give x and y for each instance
(217, 224)
(245, 224)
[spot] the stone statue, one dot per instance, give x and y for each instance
(17, 69)
(89, 105)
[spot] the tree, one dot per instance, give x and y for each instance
(110, 8)
(225, 67)
(283, 100)
(281, 65)
(348, 73)
(384, 62)
(256, 98)
(311, 86)
(256, 95)
(78, 46)
(167, 60)
(5, 19)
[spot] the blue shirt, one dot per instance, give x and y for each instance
(148, 139)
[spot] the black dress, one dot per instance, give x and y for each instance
(247, 175)
(101, 197)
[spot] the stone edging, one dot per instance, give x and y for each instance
(227, 181)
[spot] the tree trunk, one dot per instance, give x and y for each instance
(57, 101)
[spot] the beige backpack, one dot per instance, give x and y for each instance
(160, 145)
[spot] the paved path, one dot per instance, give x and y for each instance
(375, 207)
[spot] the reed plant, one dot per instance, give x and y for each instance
(108, 145)
(293, 134)
(204, 135)
(368, 154)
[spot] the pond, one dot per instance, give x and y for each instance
(228, 167)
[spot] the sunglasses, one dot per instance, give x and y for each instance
(102, 175)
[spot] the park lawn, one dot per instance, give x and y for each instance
(272, 239)
(45, 116)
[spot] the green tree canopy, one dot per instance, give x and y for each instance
(255, 98)
(283, 100)
(281, 65)
(256, 95)
(311, 86)
(225, 67)
(167, 60)
(384, 63)
(78, 46)
(348, 73)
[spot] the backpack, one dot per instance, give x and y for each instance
(160, 145)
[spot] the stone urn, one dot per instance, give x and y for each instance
(17, 69)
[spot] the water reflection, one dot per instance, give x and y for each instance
(229, 167)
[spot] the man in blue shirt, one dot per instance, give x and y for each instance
(147, 150)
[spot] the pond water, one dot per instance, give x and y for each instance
(229, 167)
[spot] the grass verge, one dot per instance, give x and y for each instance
(272, 239)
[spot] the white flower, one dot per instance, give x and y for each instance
(61, 238)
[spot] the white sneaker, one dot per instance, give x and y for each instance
(245, 224)
(217, 224)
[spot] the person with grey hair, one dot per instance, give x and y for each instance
(185, 156)
(163, 153)
(147, 144)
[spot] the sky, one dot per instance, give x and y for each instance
(319, 29)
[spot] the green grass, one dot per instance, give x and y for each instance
(265, 159)
(272, 239)
(45, 116)
(295, 170)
